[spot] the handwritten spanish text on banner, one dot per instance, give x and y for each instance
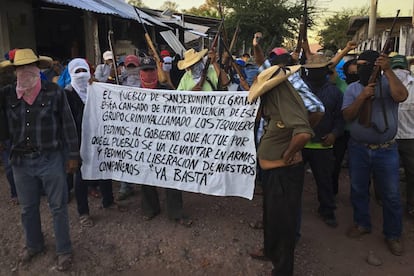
(200, 142)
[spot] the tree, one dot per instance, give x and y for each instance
(208, 9)
(169, 5)
(136, 3)
(334, 36)
(277, 20)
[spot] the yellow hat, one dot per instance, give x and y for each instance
(191, 57)
(270, 78)
(26, 56)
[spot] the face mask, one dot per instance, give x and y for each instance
(197, 70)
(350, 78)
(79, 82)
(133, 78)
(28, 83)
(364, 73)
(166, 67)
(149, 78)
(317, 77)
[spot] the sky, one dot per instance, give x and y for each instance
(385, 7)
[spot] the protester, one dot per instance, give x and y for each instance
(373, 149)
(41, 128)
(150, 199)
(405, 132)
(280, 56)
(194, 66)
(319, 151)
(133, 79)
(287, 130)
(105, 72)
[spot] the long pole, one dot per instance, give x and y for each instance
(372, 19)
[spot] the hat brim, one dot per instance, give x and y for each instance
(266, 80)
(185, 63)
(317, 65)
(43, 62)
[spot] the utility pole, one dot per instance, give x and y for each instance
(372, 19)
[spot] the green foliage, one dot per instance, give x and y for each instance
(136, 3)
(333, 36)
(170, 5)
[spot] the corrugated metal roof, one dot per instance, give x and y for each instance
(115, 7)
(84, 5)
(173, 42)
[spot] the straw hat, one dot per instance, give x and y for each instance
(26, 56)
(270, 78)
(317, 61)
(191, 57)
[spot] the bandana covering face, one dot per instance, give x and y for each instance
(167, 64)
(133, 78)
(197, 71)
(79, 81)
(149, 78)
(28, 83)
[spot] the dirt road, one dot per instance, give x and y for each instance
(217, 244)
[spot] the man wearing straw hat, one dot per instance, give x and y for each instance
(287, 130)
(38, 119)
(194, 66)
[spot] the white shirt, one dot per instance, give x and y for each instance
(406, 108)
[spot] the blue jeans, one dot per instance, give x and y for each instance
(7, 167)
(32, 172)
(383, 163)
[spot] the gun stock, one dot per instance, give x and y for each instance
(161, 74)
(366, 108)
(208, 61)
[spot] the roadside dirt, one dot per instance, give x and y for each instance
(218, 242)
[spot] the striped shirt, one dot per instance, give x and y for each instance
(311, 101)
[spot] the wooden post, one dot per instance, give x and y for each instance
(372, 19)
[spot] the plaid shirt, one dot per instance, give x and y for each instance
(312, 103)
(47, 125)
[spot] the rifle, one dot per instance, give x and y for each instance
(235, 66)
(161, 75)
(366, 108)
(110, 34)
(208, 61)
(300, 37)
(111, 47)
(229, 49)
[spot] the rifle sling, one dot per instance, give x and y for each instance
(384, 113)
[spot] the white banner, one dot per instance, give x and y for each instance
(200, 142)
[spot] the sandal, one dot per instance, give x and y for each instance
(259, 255)
(149, 217)
(14, 201)
(64, 262)
(184, 221)
(28, 254)
(94, 193)
(86, 221)
(116, 206)
(256, 225)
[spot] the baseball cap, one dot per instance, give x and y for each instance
(148, 63)
(107, 55)
(131, 60)
(164, 53)
(278, 51)
(399, 61)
